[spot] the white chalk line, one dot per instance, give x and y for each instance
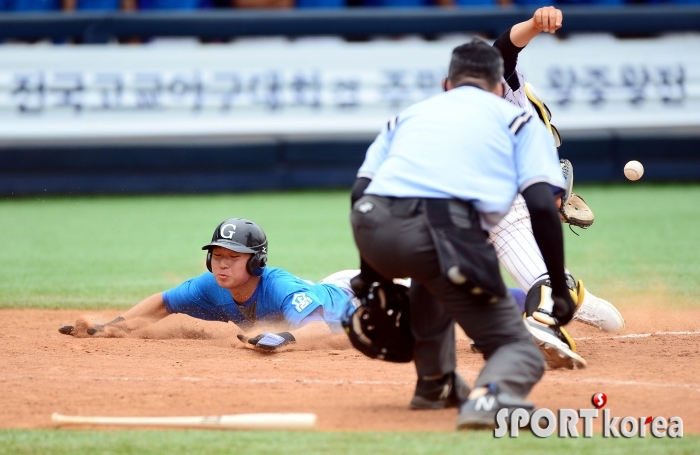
(637, 335)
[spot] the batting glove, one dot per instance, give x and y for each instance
(271, 341)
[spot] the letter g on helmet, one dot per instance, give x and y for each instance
(227, 231)
(242, 236)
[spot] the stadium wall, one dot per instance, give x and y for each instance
(287, 165)
(278, 113)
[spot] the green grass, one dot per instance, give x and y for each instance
(643, 246)
(23, 442)
(110, 252)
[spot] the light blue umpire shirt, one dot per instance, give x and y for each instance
(467, 144)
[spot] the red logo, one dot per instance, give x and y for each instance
(599, 400)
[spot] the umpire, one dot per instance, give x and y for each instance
(447, 170)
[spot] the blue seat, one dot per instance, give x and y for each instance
(169, 4)
(398, 3)
(320, 4)
(32, 5)
(535, 2)
(98, 5)
(475, 3)
(594, 2)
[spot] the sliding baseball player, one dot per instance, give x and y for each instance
(239, 287)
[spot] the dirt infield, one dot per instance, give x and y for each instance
(188, 367)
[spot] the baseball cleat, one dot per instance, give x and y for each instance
(599, 313)
(66, 329)
(479, 413)
(473, 348)
(443, 393)
(557, 352)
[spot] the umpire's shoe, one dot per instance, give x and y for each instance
(556, 345)
(448, 392)
(479, 413)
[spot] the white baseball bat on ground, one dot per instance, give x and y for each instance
(270, 421)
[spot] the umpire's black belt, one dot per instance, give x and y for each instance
(455, 212)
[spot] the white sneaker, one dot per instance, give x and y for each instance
(599, 313)
(557, 353)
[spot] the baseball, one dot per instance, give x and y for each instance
(634, 170)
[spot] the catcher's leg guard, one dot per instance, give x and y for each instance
(539, 303)
(554, 341)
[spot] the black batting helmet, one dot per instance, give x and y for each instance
(242, 236)
(380, 327)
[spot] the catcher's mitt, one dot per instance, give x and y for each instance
(574, 209)
(576, 212)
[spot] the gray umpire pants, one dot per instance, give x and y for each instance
(393, 237)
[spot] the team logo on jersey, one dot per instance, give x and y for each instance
(227, 231)
(301, 301)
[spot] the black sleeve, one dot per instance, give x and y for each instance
(358, 189)
(510, 52)
(547, 230)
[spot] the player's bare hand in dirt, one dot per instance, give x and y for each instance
(84, 327)
(548, 19)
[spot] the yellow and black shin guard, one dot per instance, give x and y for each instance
(539, 304)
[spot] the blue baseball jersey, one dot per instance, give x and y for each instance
(467, 144)
(280, 297)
